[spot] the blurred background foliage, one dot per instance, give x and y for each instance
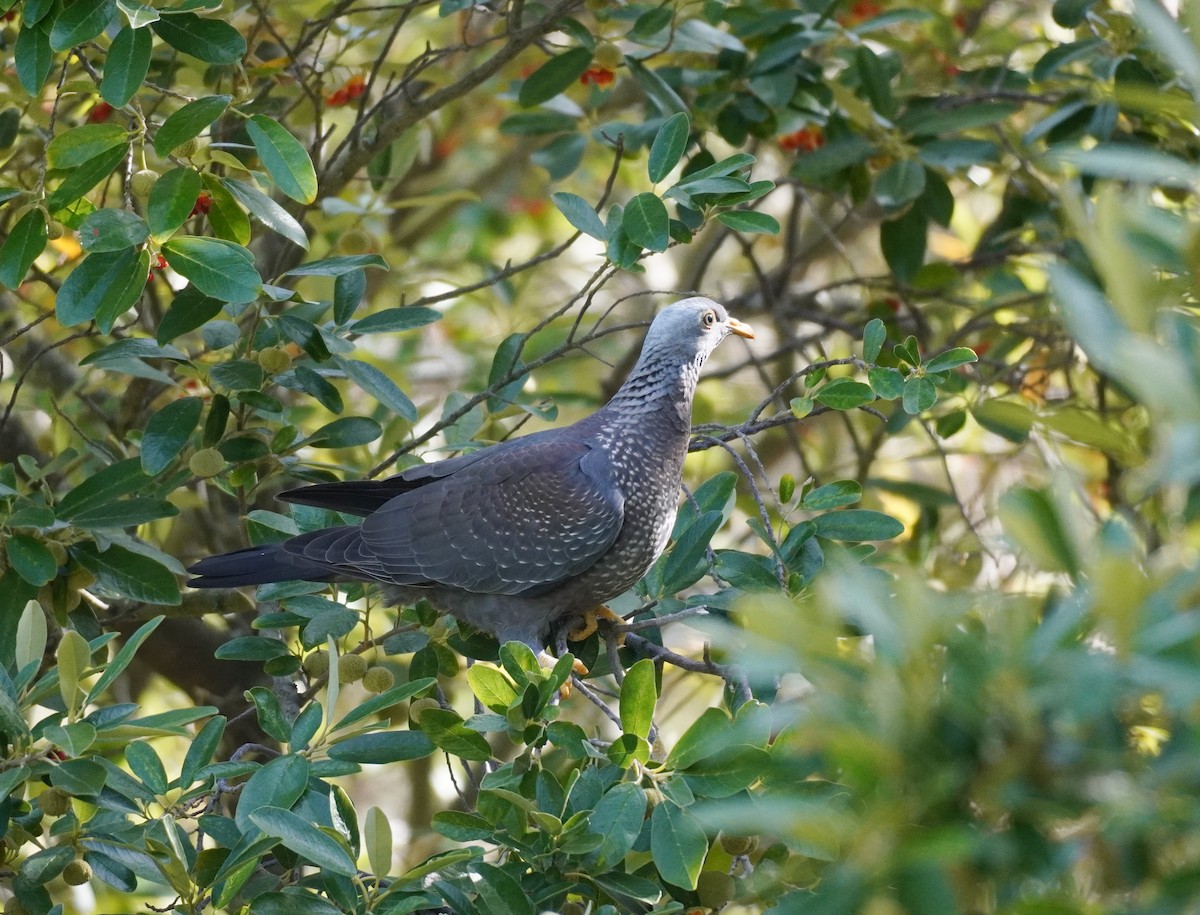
(927, 636)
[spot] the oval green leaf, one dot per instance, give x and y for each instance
(668, 146)
(126, 66)
(217, 268)
(189, 121)
(284, 158)
(554, 76)
(646, 222)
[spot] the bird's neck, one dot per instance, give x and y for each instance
(658, 388)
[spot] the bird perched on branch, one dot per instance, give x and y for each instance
(517, 536)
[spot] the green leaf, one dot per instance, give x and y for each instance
(749, 221)
(554, 76)
(727, 772)
(217, 268)
(857, 524)
(447, 732)
(126, 513)
(342, 264)
(832, 495)
(383, 747)
(78, 181)
(190, 309)
(646, 222)
(384, 701)
(900, 184)
(379, 387)
(394, 320)
(874, 334)
(75, 146)
(888, 383)
(1032, 520)
(201, 749)
(285, 159)
(267, 211)
(618, 818)
(491, 687)
(112, 230)
(31, 559)
(580, 214)
(25, 242)
(82, 21)
(639, 694)
(292, 900)
(348, 291)
(146, 765)
(126, 66)
(270, 714)
(211, 40)
(460, 826)
(377, 838)
(951, 359)
(657, 90)
(903, 242)
(678, 844)
(669, 145)
(225, 215)
(687, 561)
(129, 574)
(701, 739)
(844, 394)
(919, 395)
(499, 891)
(74, 657)
(104, 486)
(74, 738)
(280, 783)
(33, 58)
(168, 431)
(346, 432)
(172, 200)
(189, 121)
(104, 284)
(306, 840)
(32, 634)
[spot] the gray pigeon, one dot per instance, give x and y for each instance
(516, 536)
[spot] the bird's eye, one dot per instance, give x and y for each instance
(709, 319)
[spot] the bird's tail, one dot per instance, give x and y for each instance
(257, 565)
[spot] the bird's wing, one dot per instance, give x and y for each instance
(361, 497)
(515, 520)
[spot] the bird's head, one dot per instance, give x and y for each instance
(692, 328)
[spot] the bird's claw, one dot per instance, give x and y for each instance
(590, 622)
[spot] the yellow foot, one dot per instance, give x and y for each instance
(591, 621)
(548, 660)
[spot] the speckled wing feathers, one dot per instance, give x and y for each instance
(520, 521)
(527, 517)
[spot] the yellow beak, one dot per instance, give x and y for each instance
(742, 330)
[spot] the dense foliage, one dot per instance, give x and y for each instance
(926, 638)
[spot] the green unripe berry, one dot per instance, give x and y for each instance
(608, 56)
(207, 462)
(714, 889)
(351, 668)
(54, 802)
(186, 149)
(417, 708)
(738, 845)
(55, 229)
(316, 664)
(142, 182)
(274, 359)
(77, 873)
(378, 679)
(15, 906)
